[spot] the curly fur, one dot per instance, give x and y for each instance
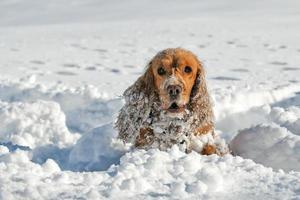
(142, 122)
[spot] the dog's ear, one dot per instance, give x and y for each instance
(148, 80)
(199, 86)
(200, 102)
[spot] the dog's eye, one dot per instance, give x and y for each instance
(187, 69)
(161, 71)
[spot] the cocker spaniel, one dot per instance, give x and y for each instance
(169, 104)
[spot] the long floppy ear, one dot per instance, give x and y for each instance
(200, 101)
(200, 84)
(147, 81)
(138, 102)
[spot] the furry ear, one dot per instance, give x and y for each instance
(200, 102)
(148, 80)
(199, 85)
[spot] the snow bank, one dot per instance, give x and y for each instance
(270, 145)
(44, 125)
(85, 107)
(272, 138)
(147, 175)
(180, 175)
(288, 118)
(234, 100)
(34, 124)
(174, 174)
(138, 174)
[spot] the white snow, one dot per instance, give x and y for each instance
(270, 145)
(97, 150)
(85, 107)
(34, 124)
(147, 174)
(64, 65)
(3, 150)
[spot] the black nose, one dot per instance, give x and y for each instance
(174, 90)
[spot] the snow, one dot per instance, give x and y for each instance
(34, 124)
(85, 107)
(147, 174)
(63, 68)
(3, 150)
(276, 147)
(97, 150)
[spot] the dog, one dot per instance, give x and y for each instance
(170, 105)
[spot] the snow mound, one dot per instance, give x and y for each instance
(268, 135)
(288, 118)
(149, 174)
(180, 175)
(174, 174)
(85, 107)
(232, 100)
(34, 124)
(97, 150)
(270, 145)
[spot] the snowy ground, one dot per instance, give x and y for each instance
(63, 68)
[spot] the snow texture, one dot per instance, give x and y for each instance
(34, 124)
(147, 174)
(64, 65)
(97, 150)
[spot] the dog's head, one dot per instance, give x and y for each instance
(176, 76)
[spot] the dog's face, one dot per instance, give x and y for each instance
(175, 72)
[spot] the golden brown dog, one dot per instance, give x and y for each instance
(169, 104)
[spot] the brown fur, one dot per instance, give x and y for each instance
(208, 150)
(204, 129)
(144, 138)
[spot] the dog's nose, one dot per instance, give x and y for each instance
(174, 90)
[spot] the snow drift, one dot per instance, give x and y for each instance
(270, 145)
(137, 173)
(34, 124)
(147, 174)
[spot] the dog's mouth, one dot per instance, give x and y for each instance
(175, 108)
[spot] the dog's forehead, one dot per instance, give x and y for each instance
(177, 59)
(166, 61)
(184, 58)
